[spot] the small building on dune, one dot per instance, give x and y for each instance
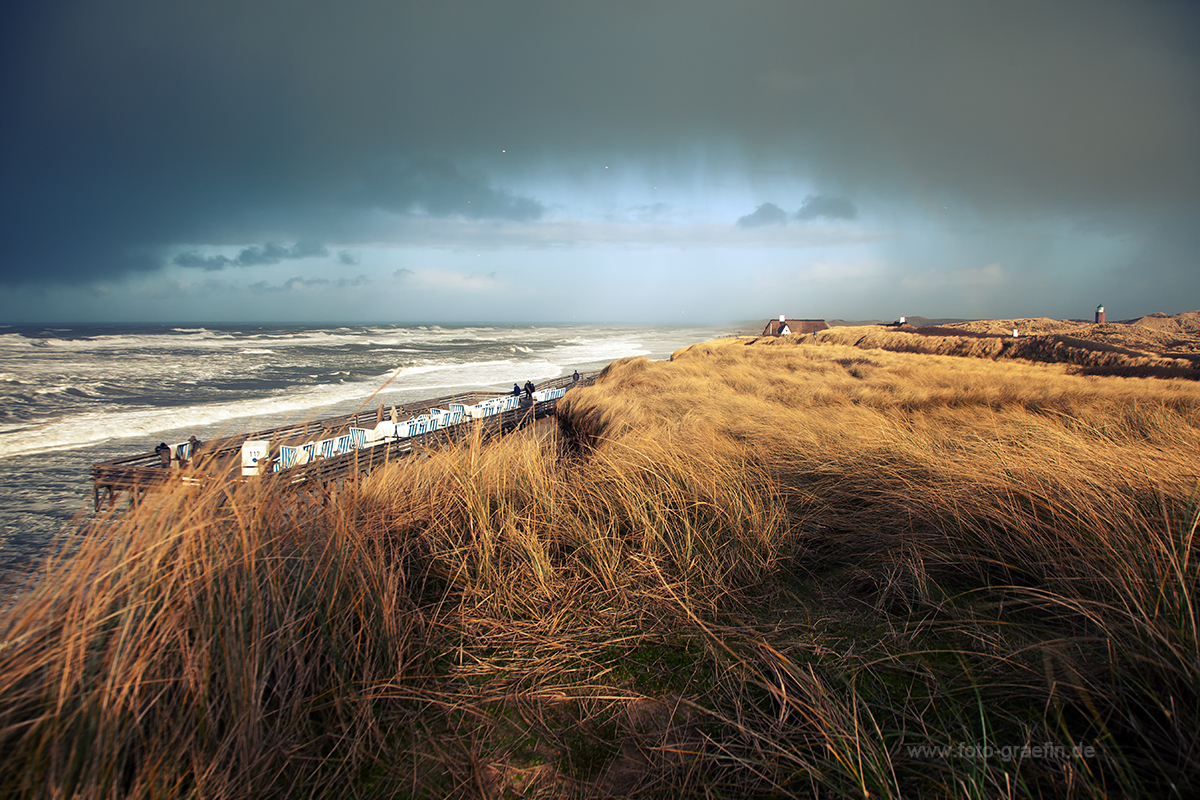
(784, 326)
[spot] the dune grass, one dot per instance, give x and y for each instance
(1054, 348)
(752, 571)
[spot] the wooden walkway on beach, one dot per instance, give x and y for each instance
(220, 460)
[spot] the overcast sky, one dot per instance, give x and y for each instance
(689, 162)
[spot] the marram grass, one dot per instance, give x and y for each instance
(752, 571)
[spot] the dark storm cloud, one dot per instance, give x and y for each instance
(765, 214)
(269, 253)
(817, 206)
(438, 188)
(303, 282)
(130, 127)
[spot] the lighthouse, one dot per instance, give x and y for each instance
(1099, 314)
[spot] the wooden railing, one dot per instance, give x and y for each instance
(220, 459)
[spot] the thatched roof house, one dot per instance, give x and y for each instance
(783, 326)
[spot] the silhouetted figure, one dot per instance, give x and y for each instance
(196, 445)
(529, 389)
(575, 377)
(516, 392)
(164, 454)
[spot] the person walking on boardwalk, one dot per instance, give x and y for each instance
(516, 392)
(575, 377)
(529, 389)
(194, 450)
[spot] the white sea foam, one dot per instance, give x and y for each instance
(138, 370)
(92, 427)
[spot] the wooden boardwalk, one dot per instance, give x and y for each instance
(220, 460)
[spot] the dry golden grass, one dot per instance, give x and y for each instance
(754, 570)
(1045, 348)
(1161, 334)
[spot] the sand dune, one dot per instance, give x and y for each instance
(1154, 334)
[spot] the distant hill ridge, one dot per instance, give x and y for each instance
(1157, 334)
(1157, 345)
(916, 322)
(1171, 335)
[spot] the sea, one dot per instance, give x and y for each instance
(72, 396)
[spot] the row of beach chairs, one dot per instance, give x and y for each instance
(386, 431)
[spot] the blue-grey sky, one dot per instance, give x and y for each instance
(699, 161)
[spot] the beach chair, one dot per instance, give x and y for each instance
(344, 443)
(307, 453)
(327, 448)
(359, 437)
(288, 457)
(383, 431)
